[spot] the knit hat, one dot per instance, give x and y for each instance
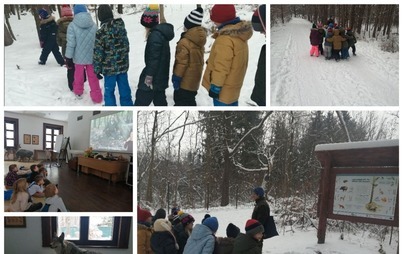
(194, 19)
(205, 217)
(66, 11)
(320, 25)
(143, 215)
(259, 191)
(79, 8)
(211, 223)
(331, 25)
(186, 219)
(104, 12)
(221, 13)
(160, 214)
(161, 225)
(259, 19)
(252, 227)
(43, 14)
(232, 231)
(150, 16)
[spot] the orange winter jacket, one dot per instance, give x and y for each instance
(336, 39)
(144, 239)
(228, 60)
(189, 58)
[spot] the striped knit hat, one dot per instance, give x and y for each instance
(253, 227)
(194, 19)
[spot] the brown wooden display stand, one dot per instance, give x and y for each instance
(114, 171)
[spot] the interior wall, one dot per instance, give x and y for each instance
(31, 237)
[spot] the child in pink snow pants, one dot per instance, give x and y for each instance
(78, 83)
(314, 50)
(315, 38)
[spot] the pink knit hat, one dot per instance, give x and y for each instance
(66, 11)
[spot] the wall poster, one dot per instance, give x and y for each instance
(369, 196)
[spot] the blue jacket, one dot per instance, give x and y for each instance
(81, 38)
(201, 241)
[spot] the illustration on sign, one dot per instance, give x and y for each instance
(370, 196)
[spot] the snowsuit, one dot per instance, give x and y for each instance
(157, 58)
(322, 34)
(328, 46)
(163, 243)
(144, 239)
(47, 34)
(337, 43)
(181, 236)
(201, 241)
(63, 23)
(344, 48)
(261, 212)
(246, 244)
(352, 40)
(228, 61)
(259, 90)
(80, 48)
(315, 40)
(111, 58)
(189, 61)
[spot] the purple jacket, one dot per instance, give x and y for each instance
(315, 37)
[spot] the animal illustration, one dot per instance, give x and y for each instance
(341, 206)
(9, 154)
(62, 246)
(343, 188)
(24, 155)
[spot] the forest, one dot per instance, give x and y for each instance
(367, 21)
(214, 158)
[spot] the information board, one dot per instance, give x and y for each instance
(369, 196)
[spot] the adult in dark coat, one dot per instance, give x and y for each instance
(154, 77)
(163, 240)
(261, 212)
(47, 34)
(259, 90)
(182, 230)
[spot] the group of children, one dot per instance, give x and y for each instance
(176, 235)
(336, 40)
(33, 183)
(106, 51)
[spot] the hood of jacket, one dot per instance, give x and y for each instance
(83, 20)
(242, 29)
(166, 29)
(201, 231)
(48, 20)
(65, 19)
(197, 35)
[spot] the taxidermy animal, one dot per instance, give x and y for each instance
(65, 247)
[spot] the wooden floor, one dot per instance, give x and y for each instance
(89, 193)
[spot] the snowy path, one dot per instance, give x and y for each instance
(297, 79)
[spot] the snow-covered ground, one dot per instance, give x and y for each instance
(299, 241)
(369, 79)
(30, 84)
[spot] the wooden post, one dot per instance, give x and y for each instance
(324, 200)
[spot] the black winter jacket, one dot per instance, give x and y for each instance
(261, 212)
(259, 90)
(181, 237)
(163, 243)
(157, 57)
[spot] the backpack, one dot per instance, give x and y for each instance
(45, 208)
(270, 229)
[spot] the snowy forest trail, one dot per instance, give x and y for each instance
(297, 79)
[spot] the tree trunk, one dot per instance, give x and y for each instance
(149, 193)
(9, 31)
(18, 11)
(162, 15)
(120, 8)
(8, 40)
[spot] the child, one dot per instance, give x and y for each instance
(11, 176)
(155, 75)
(328, 44)
(352, 40)
(322, 35)
(189, 60)
(228, 60)
(225, 245)
(80, 50)
(337, 41)
(47, 35)
(183, 230)
(344, 47)
(163, 240)
(251, 241)
(63, 23)
(43, 172)
(315, 40)
(144, 231)
(259, 90)
(21, 200)
(111, 57)
(202, 239)
(34, 172)
(35, 189)
(53, 201)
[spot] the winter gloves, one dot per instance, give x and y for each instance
(176, 81)
(149, 82)
(214, 91)
(42, 43)
(69, 63)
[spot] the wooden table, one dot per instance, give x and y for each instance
(112, 170)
